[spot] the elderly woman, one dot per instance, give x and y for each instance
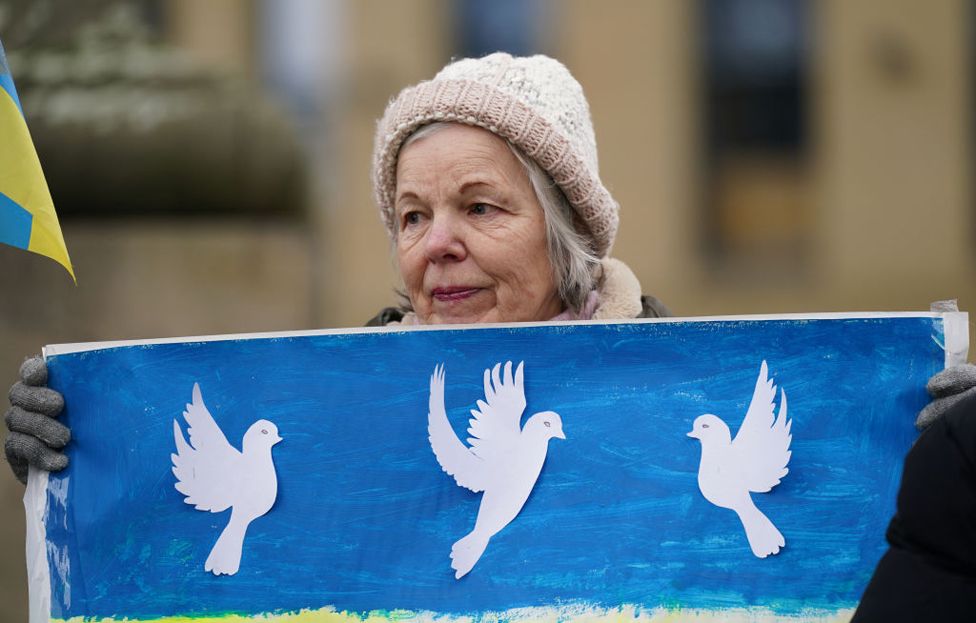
(487, 181)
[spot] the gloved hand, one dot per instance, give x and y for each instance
(947, 388)
(34, 437)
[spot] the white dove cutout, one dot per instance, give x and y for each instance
(504, 460)
(755, 461)
(215, 476)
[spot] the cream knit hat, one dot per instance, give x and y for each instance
(534, 102)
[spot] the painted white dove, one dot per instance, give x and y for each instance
(755, 461)
(504, 459)
(214, 476)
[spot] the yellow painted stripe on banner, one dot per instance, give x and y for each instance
(22, 180)
(624, 614)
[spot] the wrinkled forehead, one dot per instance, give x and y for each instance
(456, 157)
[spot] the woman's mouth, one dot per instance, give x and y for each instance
(453, 293)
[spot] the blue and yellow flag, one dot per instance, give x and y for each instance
(27, 217)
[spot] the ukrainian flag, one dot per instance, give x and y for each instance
(27, 217)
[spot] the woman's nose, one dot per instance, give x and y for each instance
(445, 240)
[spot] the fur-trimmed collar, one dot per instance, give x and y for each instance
(620, 292)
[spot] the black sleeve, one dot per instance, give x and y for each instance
(929, 571)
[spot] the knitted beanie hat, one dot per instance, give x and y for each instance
(533, 102)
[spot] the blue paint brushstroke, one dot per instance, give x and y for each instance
(15, 223)
(365, 518)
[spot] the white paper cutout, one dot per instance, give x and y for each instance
(215, 476)
(504, 459)
(755, 461)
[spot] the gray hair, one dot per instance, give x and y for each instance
(575, 267)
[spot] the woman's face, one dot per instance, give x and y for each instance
(471, 241)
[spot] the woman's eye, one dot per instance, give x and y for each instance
(411, 218)
(480, 209)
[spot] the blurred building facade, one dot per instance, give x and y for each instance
(768, 156)
(828, 167)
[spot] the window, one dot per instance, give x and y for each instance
(513, 26)
(756, 202)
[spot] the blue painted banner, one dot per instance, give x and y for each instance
(365, 518)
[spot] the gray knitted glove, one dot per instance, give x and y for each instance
(947, 388)
(34, 437)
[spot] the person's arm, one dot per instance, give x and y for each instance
(34, 437)
(929, 570)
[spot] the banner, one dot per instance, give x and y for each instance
(692, 469)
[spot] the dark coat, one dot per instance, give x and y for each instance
(929, 571)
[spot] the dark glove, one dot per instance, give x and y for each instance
(34, 437)
(947, 388)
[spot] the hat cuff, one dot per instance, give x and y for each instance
(477, 104)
